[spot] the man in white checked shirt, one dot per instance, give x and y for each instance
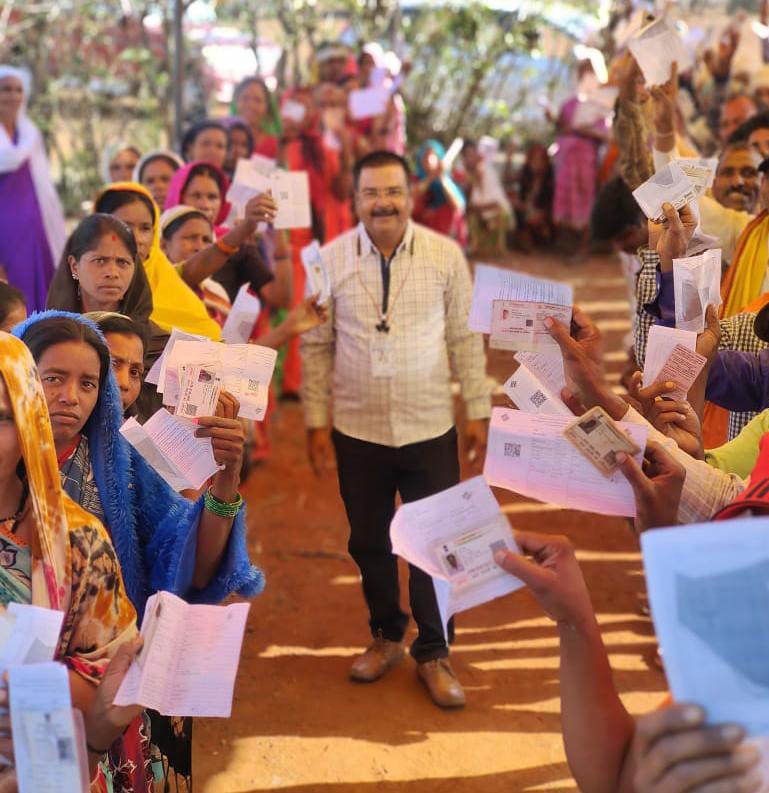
(376, 383)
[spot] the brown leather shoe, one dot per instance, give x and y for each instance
(380, 656)
(439, 678)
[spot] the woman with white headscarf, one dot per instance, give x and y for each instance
(32, 232)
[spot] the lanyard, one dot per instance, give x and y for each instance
(386, 309)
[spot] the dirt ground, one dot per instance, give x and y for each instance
(299, 725)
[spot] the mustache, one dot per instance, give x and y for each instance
(740, 190)
(381, 213)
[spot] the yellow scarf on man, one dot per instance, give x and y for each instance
(744, 279)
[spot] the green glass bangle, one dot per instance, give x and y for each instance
(224, 509)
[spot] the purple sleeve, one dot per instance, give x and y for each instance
(666, 302)
(738, 380)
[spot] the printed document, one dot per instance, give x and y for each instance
(682, 367)
(531, 395)
(28, 634)
(48, 740)
(189, 660)
(707, 588)
(547, 367)
(453, 536)
(291, 191)
(696, 285)
(669, 185)
(700, 170)
(245, 369)
(318, 282)
(656, 47)
(156, 375)
(242, 317)
(368, 102)
(528, 454)
(517, 325)
(661, 343)
(495, 283)
(169, 445)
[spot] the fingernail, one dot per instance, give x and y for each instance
(549, 322)
(620, 457)
(731, 732)
(692, 714)
(499, 557)
(670, 386)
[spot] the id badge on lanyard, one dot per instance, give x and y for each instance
(382, 356)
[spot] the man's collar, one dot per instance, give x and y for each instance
(366, 246)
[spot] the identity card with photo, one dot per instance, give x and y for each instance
(596, 435)
(520, 325)
(199, 390)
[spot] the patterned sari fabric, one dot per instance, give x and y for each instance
(74, 567)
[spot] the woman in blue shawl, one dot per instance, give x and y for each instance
(439, 202)
(159, 536)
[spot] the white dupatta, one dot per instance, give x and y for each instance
(29, 147)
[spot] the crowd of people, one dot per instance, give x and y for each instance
(93, 530)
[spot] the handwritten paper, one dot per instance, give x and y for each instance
(49, 749)
(494, 283)
(528, 454)
(242, 317)
(656, 47)
(707, 589)
(453, 536)
(190, 658)
(696, 285)
(368, 102)
(318, 282)
(660, 345)
(669, 185)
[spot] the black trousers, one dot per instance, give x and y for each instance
(370, 475)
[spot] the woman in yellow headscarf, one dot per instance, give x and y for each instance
(175, 305)
(54, 554)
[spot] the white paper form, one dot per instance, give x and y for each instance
(655, 47)
(700, 170)
(175, 439)
(660, 344)
(156, 374)
(451, 154)
(190, 658)
(136, 435)
(201, 353)
(669, 185)
(28, 634)
(252, 177)
(318, 282)
(242, 317)
(696, 285)
(530, 394)
(547, 367)
(528, 454)
(494, 283)
(453, 536)
(49, 750)
(246, 371)
(595, 106)
(291, 191)
(707, 588)
(368, 102)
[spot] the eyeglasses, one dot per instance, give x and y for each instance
(393, 193)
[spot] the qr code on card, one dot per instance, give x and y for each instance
(512, 450)
(538, 399)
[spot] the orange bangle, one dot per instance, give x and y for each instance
(226, 249)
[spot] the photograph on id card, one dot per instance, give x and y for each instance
(199, 390)
(468, 558)
(598, 437)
